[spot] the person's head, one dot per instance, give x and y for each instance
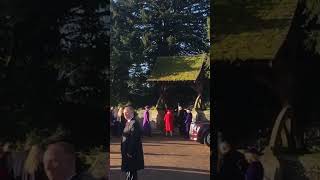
(147, 108)
(33, 160)
(59, 161)
(7, 147)
(179, 108)
(111, 108)
(251, 154)
(224, 147)
(128, 112)
(188, 111)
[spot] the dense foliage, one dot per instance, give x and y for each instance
(53, 55)
(141, 31)
(311, 25)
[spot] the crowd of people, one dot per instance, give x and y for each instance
(232, 164)
(181, 118)
(124, 123)
(55, 162)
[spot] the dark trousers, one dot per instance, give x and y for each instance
(182, 129)
(187, 126)
(132, 175)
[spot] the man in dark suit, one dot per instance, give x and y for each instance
(180, 120)
(131, 145)
(60, 161)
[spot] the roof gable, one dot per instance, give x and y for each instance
(251, 29)
(177, 68)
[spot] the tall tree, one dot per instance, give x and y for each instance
(52, 52)
(144, 30)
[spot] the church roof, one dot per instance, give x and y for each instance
(250, 30)
(178, 68)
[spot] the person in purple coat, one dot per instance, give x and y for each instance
(255, 169)
(187, 122)
(146, 122)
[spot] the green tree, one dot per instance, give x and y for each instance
(311, 17)
(144, 30)
(52, 53)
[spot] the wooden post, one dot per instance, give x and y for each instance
(198, 105)
(161, 105)
(198, 87)
(269, 159)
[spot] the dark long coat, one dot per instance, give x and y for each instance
(131, 144)
(233, 166)
(187, 122)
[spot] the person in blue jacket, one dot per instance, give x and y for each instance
(187, 122)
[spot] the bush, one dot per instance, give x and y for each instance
(33, 137)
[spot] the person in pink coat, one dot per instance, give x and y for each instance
(168, 121)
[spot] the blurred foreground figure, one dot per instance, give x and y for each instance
(255, 169)
(232, 165)
(60, 162)
(4, 172)
(33, 166)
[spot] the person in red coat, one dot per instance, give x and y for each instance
(168, 121)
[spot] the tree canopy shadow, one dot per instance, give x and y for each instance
(159, 172)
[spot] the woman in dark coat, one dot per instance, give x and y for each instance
(187, 122)
(121, 120)
(146, 122)
(131, 146)
(180, 120)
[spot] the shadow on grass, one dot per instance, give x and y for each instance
(158, 144)
(160, 173)
(170, 143)
(163, 143)
(158, 141)
(157, 137)
(153, 154)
